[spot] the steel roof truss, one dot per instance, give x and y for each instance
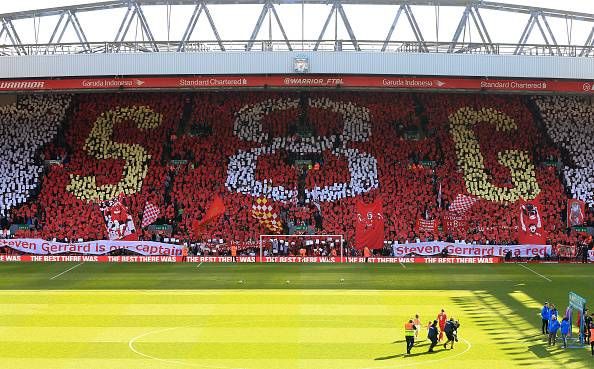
(190, 27)
(415, 28)
(392, 27)
(480, 25)
(13, 36)
(258, 26)
(459, 29)
(525, 35)
(214, 28)
(588, 45)
(347, 25)
(324, 27)
(145, 26)
(280, 25)
(268, 8)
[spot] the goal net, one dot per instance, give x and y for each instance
(302, 245)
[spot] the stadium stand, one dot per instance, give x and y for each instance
(569, 122)
(25, 126)
(312, 154)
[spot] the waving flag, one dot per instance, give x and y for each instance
(216, 209)
(462, 204)
(151, 213)
(263, 211)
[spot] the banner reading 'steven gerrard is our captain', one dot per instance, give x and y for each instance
(42, 247)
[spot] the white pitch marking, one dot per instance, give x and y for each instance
(183, 363)
(404, 266)
(198, 266)
(535, 272)
(67, 270)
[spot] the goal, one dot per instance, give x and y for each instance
(314, 244)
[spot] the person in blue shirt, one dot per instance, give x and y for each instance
(565, 327)
(553, 311)
(545, 314)
(553, 328)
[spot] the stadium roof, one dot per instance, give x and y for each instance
(475, 29)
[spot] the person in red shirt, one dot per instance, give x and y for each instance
(442, 318)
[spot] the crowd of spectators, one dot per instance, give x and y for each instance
(25, 126)
(569, 122)
(138, 147)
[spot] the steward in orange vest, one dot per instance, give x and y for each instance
(409, 334)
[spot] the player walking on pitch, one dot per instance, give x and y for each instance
(417, 323)
(442, 318)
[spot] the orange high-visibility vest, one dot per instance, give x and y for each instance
(591, 335)
(409, 329)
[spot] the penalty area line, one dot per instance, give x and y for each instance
(533, 271)
(67, 270)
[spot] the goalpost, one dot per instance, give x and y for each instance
(307, 240)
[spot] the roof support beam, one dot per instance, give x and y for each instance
(79, 31)
(266, 10)
(347, 25)
(415, 28)
(214, 28)
(145, 26)
(12, 34)
(392, 27)
(201, 7)
(525, 35)
(589, 45)
(551, 34)
(190, 27)
(324, 27)
(337, 9)
(257, 27)
(459, 29)
(482, 29)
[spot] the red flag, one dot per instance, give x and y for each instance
(575, 212)
(426, 226)
(454, 222)
(369, 225)
(531, 229)
(216, 209)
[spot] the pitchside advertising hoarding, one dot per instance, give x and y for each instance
(147, 251)
(300, 81)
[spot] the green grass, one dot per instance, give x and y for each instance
(132, 316)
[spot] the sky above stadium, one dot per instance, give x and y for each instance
(237, 22)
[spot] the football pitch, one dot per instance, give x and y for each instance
(280, 316)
